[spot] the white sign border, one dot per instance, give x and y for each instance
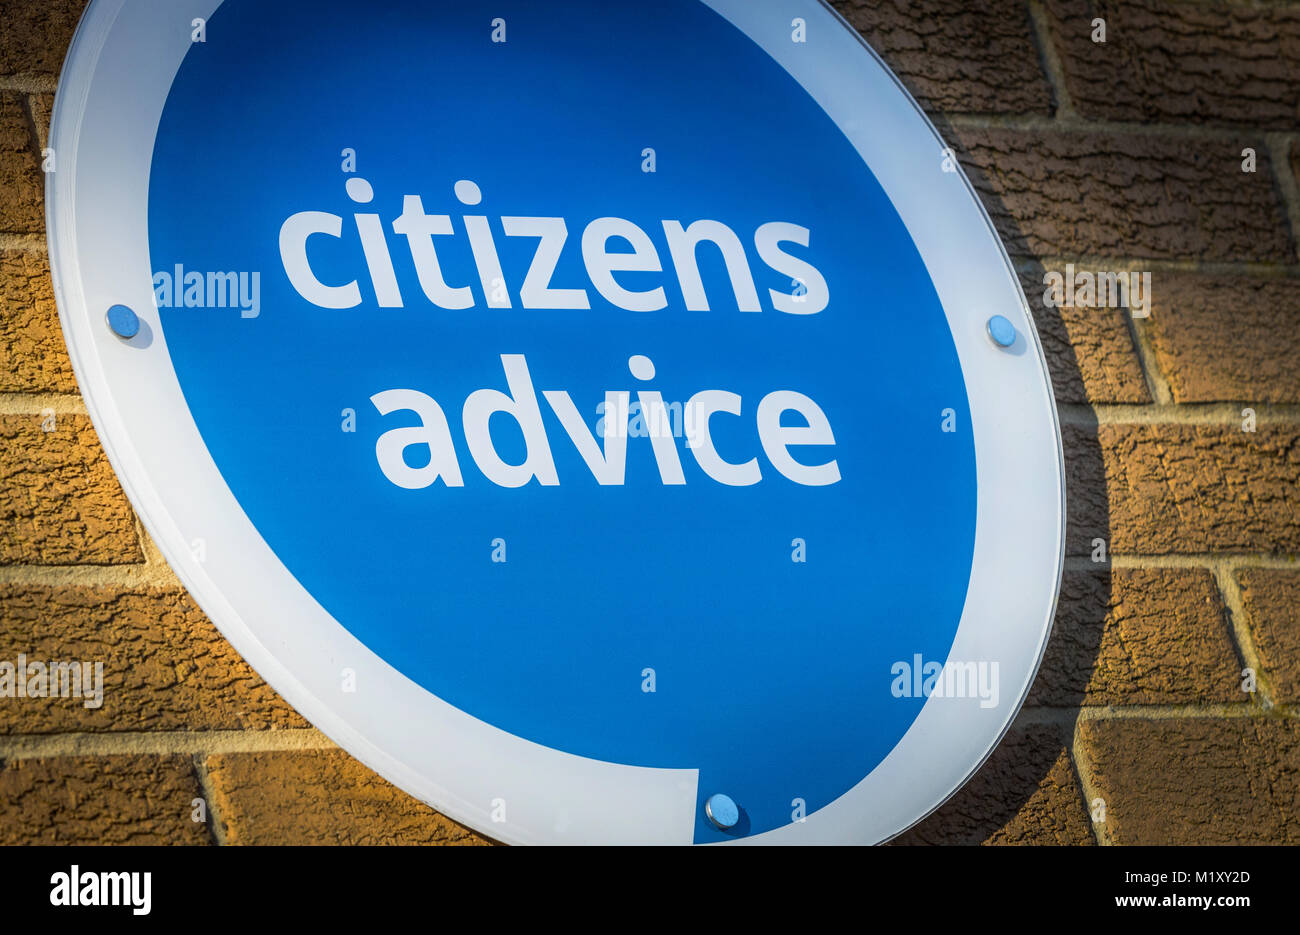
(114, 84)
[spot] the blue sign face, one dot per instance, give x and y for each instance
(576, 363)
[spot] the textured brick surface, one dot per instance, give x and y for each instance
(42, 108)
(1228, 338)
(1063, 194)
(32, 353)
(60, 502)
(1089, 351)
(1139, 636)
(1026, 793)
(1087, 504)
(1216, 62)
(320, 798)
(1272, 598)
(955, 56)
(22, 208)
(1160, 489)
(165, 666)
(35, 35)
(100, 800)
(1196, 780)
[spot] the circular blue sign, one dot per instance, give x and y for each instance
(574, 361)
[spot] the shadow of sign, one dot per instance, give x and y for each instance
(1029, 791)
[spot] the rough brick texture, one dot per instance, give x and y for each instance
(1139, 636)
(1196, 780)
(165, 666)
(953, 55)
(1226, 63)
(42, 109)
(32, 353)
(22, 209)
(1063, 194)
(1232, 338)
(60, 502)
(36, 35)
(1272, 598)
(1026, 793)
(1089, 351)
(1161, 489)
(320, 798)
(100, 800)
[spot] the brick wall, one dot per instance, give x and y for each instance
(1125, 155)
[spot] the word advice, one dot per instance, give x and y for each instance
(609, 246)
(606, 461)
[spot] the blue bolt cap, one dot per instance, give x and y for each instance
(1001, 331)
(124, 322)
(722, 811)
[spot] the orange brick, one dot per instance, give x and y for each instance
(1272, 599)
(100, 800)
(954, 56)
(165, 666)
(1089, 352)
(22, 209)
(60, 503)
(1210, 62)
(36, 35)
(42, 109)
(1092, 193)
(1227, 338)
(31, 340)
(320, 798)
(1162, 489)
(1196, 780)
(1139, 636)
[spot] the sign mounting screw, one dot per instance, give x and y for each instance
(722, 811)
(123, 322)
(1001, 331)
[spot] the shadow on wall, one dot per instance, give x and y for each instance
(1028, 791)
